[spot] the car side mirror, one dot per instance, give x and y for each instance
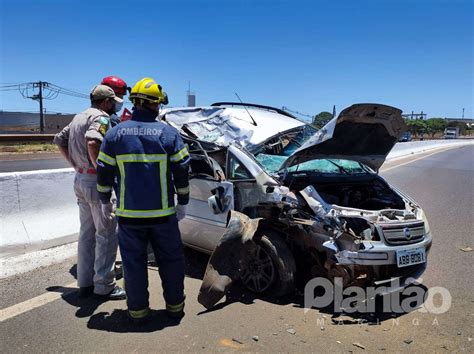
(218, 202)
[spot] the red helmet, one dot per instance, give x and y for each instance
(117, 84)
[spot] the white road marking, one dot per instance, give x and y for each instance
(23, 263)
(419, 158)
(33, 303)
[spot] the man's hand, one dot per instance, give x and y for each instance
(107, 212)
(65, 152)
(180, 211)
(93, 148)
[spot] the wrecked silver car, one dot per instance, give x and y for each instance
(277, 202)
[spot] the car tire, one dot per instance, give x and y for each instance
(270, 250)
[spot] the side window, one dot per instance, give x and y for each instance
(199, 167)
(236, 170)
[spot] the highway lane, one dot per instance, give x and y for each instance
(31, 162)
(442, 183)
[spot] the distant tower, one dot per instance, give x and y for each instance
(191, 96)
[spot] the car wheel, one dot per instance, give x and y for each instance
(270, 268)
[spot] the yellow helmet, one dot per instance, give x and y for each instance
(146, 90)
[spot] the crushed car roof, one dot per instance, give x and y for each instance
(222, 125)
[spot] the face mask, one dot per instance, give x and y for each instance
(118, 107)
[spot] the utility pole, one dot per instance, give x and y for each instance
(41, 107)
(463, 113)
(39, 97)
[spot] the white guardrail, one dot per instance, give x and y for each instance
(38, 208)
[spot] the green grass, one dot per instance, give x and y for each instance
(28, 148)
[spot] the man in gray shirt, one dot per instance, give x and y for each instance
(79, 143)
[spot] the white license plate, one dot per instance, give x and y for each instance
(406, 258)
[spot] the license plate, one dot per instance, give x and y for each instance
(407, 258)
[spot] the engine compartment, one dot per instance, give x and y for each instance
(367, 191)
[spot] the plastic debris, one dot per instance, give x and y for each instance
(358, 345)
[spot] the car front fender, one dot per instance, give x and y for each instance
(224, 265)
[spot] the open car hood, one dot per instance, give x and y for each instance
(364, 132)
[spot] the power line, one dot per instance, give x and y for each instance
(39, 91)
(51, 91)
(296, 112)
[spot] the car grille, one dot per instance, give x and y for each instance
(403, 234)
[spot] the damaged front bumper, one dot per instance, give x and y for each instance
(378, 253)
(381, 260)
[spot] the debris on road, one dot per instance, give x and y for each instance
(237, 341)
(408, 341)
(229, 343)
(358, 345)
(466, 249)
(291, 331)
(255, 338)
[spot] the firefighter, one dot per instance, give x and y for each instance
(79, 143)
(150, 162)
(120, 88)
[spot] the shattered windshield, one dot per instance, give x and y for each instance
(275, 151)
(272, 164)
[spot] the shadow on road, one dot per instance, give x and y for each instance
(85, 306)
(372, 311)
(385, 308)
(118, 322)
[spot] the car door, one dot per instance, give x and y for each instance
(202, 227)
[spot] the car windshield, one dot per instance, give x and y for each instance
(275, 151)
(272, 164)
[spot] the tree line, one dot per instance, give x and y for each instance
(417, 127)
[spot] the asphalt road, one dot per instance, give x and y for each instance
(443, 183)
(31, 162)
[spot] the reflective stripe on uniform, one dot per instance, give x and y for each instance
(139, 313)
(104, 189)
(109, 160)
(184, 190)
(146, 158)
(181, 154)
(175, 308)
(145, 213)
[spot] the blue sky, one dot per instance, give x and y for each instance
(305, 55)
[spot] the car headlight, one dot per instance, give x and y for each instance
(425, 220)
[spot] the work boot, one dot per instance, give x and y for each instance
(116, 293)
(86, 291)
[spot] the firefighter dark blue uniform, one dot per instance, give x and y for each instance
(150, 162)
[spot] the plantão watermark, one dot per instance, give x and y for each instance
(321, 292)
